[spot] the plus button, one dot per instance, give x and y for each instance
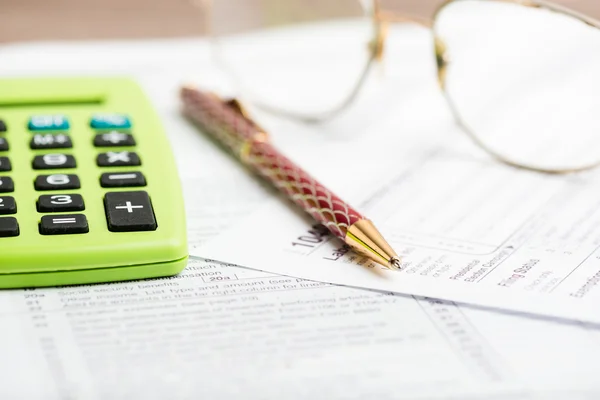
(129, 212)
(129, 207)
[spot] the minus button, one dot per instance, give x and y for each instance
(123, 179)
(122, 176)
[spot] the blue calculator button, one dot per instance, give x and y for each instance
(48, 123)
(110, 121)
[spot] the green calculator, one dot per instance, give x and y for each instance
(89, 190)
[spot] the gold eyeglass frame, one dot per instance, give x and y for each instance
(381, 21)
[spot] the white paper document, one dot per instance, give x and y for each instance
(468, 230)
(221, 332)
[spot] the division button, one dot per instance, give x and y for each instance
(48, 141)
(6, 184)
(57, 182)
(110, 121)
(118, 159)
(129, 212)
(48, 123)
(8, 205)
(60, 203)
(2, 126)
(122, 179)
(3, 144)
(9, 227)
(65, 224)
(114, 139)
(5, 164)
(54, 161)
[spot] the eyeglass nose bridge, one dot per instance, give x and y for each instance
(377, 45)
(382, 20)
(442, 61)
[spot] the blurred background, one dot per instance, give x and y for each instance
(23, 20)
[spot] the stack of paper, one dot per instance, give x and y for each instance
(221, 332)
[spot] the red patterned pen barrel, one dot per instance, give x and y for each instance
(227, 122)
(324, 206)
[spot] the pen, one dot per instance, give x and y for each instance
(229, 124)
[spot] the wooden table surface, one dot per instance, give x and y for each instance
(22, 20)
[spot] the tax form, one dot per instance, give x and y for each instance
(467, 230)
(222, 332)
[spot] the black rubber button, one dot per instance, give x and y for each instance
(9, 227)
(54, 161)
(60, 203)
(8, 205)
(57, 182)
(118, 159)
(49, 141)
(65, 224)
(6, 184)
(5, 164)
(114, 139)
(122, 179)
(129, 212)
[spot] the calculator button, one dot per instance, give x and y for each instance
(9, 227)
(129, 212)
(48, 141)
(118, 159)
(48, 123)
(54, 161)
(3, 144)
(60, 203)
(57, 182)
(113, 139)
(66, 224)
(2, 126)
(122, 179)
(6, 184)
(110, 121)
(5, 164)
(8, 205)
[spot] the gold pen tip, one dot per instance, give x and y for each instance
(395, 264)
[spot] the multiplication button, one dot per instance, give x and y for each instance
(9, 227)
(8, 205)
(118, 159)
(65, 224)
(129, 212)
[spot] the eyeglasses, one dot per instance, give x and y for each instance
(522, 77)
